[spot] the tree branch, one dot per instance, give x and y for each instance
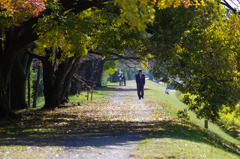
(30, 53)
(225, 3)
(80, 5)
(27, 27)
(128, 65)
(113, 59)
(119, 56)
(81, 80)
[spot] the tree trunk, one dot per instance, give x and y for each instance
(29, 89)
(91, 94)
(5, 109)
(7, 60)
(99, 73)
(89, 71)
(76, 86)
(50, 95)
(53, 79)
(67, 81)
(1, 42)
(18, 81)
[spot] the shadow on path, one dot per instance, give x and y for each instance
(90, 132)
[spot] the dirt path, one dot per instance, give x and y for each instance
(123, 106)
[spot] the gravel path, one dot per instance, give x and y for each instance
(111, 145)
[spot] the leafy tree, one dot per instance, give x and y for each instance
(110, 67)
(131, 74)
(230, 120)
(215, 77)
(204, 57)
(15, 13)
(16, 33)
(108, 70)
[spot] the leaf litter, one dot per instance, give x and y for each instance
(46, 133)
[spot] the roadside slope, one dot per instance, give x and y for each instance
(175, 138)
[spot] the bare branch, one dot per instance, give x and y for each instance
(81, 80)
(128, 65)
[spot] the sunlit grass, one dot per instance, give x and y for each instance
(177, 141)
(179, 148)
(173, 105)
(40, 101)
(98, 94)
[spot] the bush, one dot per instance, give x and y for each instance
(231, 120)
(183, 114)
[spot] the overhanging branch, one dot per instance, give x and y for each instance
(118, 56)
(80, 5)
(81, 80)
(30, 53)
(225, 3)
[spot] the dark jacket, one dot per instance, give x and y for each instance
(140, 81)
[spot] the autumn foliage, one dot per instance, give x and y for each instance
(29, 7)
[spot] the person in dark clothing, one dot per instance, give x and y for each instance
(140, 80)
(124, 80)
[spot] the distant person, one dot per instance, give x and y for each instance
(166, 91)
(140, 80)
(124, 80)
(120, 80)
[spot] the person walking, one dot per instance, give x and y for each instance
(140, 80)
(124, 79)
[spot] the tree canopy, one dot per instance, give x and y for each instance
(200, 47)
(196, 41)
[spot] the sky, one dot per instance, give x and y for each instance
(234, 3)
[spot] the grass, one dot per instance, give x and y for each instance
(99, 94)
(82, 97)
(181, 143)
(174, 105)
(188, 140)
(40, 102)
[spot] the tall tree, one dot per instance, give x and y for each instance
(202, 56)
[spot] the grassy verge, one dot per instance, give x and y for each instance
(173, 105)
(99, 94)
(183, 140)
(178, 140)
